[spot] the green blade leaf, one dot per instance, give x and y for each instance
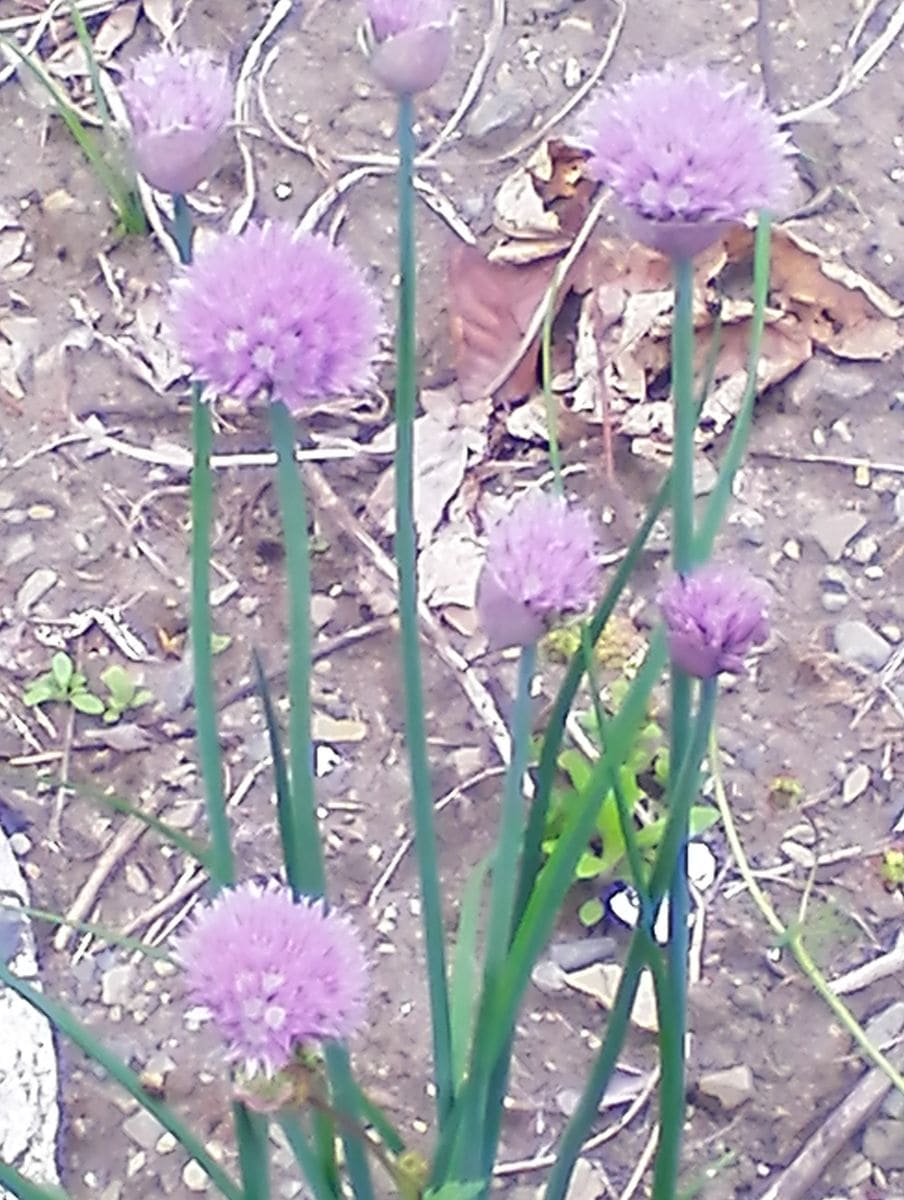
(23, 1189)
(463, 989)
(254, 1151)
(61, 667)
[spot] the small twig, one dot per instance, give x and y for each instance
(535, 325)
(55, 826)
(536, 135)
(764, 53)
(829, 460)
(542, 1161)
(855, 74)
(890, 963)
(475, 82)
(407, 842)
(640, 1169)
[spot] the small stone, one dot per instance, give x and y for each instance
(833, 531)
(37, 584)
(20, 844)
(282, 190)
(509, 111)
(41, 512)
(791, 549)
(801, 856)
(865, 550)
(548, 977)
(571, 76)
(116, 986)
(857, 1171)
(248, 605)
(859, 643)
(705, 476)
(567, 1101)
(325, 728)
(143, 1129)
(749, 999)
(7, 500)
(883, 1144)
(855, 784)
(166, 1144)
(899, 506)
(195, 1177)
(137, 880)
(834, 602)
(19, 547)
(892, 633)
(729, 1088)
(323, 609)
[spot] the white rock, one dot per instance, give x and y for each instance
(194, 1177)
(29, 1113)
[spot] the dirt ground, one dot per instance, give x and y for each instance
(85, 527)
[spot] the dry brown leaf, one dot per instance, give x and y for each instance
(161, 14)
(115, 30)
(490, 307)
(542, 205)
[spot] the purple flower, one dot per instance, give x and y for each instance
(275, 311)
(178, 104)
(712, 618)
(275, 973)
(541, 564)
(413, 40)
(686, 152)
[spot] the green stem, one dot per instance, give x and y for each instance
(685, 416)
(304, 865)
(254, 1152)
(181, 227)
(23, 1189)
(222, 866)
(671, 861)
(552, 415)
(642, 952)
(406, 557)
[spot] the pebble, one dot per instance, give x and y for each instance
(748, 998)
(194, 1177)
(834, 602)
(855, 783)
(729, 1087)
(800, 855)
(833, 531)
(572, 74)
(899, 506)
(19, 547)
(137, 880)
(582, 952)
(116, 984)
(143, 1129)
(865, 550)
(325, 728)
(37, 584)
(857, 1171)
(859, 643)
(508, 110)
(20, 844)
(883, 1144)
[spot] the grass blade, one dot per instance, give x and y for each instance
(23, 1189)
(68, 1025)
(463, 990)
(254, 1152)
(106, 935)
(308, 1161)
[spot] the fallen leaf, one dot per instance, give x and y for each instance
(448, 568)
(547, 198)
(115, 30)
(601, 980)
(161, 14)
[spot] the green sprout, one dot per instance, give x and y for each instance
(62, 684)
(124, 693)
(892, 869)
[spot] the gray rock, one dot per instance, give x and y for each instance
(899, 506)
(893, 1105)
(865, 549)
(116, 984)
(883, 1144)
(143, 1129)
(508, 111)
(37, 585)
(582, 952)
(728, 1088)
(29, 1114)
(859, 643)
(834, 602)
(829, 386)
(833, 531)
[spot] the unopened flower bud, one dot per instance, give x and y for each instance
(412, 40)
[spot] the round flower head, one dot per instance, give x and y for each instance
(413, 39)
(712, 618)
(541, 564)
(685, 153)
(277, 312)
(178, 104)
(275, 973)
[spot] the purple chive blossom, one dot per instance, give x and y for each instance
(275, 973)
(712, 618)
(541, 564)
(686, 151)
(277, 312)
(179, 104)
(413, 39)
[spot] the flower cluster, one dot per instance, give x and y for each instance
(412, 42)
(541, 564)
(713, 616)
(272, 311)
(178, 104)
(684, 152)
(274, 972)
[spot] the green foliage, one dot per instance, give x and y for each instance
(63, 684)
(642, 779)
(892, 868)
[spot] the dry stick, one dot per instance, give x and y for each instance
(646, 1156)
(890, 963)
(854, 75)
(764, 52)
(119, 845)
(474, 84)
(830, 460)
(845, 1119)
(481, 700)
(536, 135)
(888, 673)
(536, 322)
(541, 1161)
(407, 842)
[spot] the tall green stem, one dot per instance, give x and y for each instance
(406, 557)
(305, 865)
(552, 415)
(671, 997)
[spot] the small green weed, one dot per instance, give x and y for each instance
(124, 693)
(63, 684)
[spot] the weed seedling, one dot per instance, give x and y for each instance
(64, 685)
